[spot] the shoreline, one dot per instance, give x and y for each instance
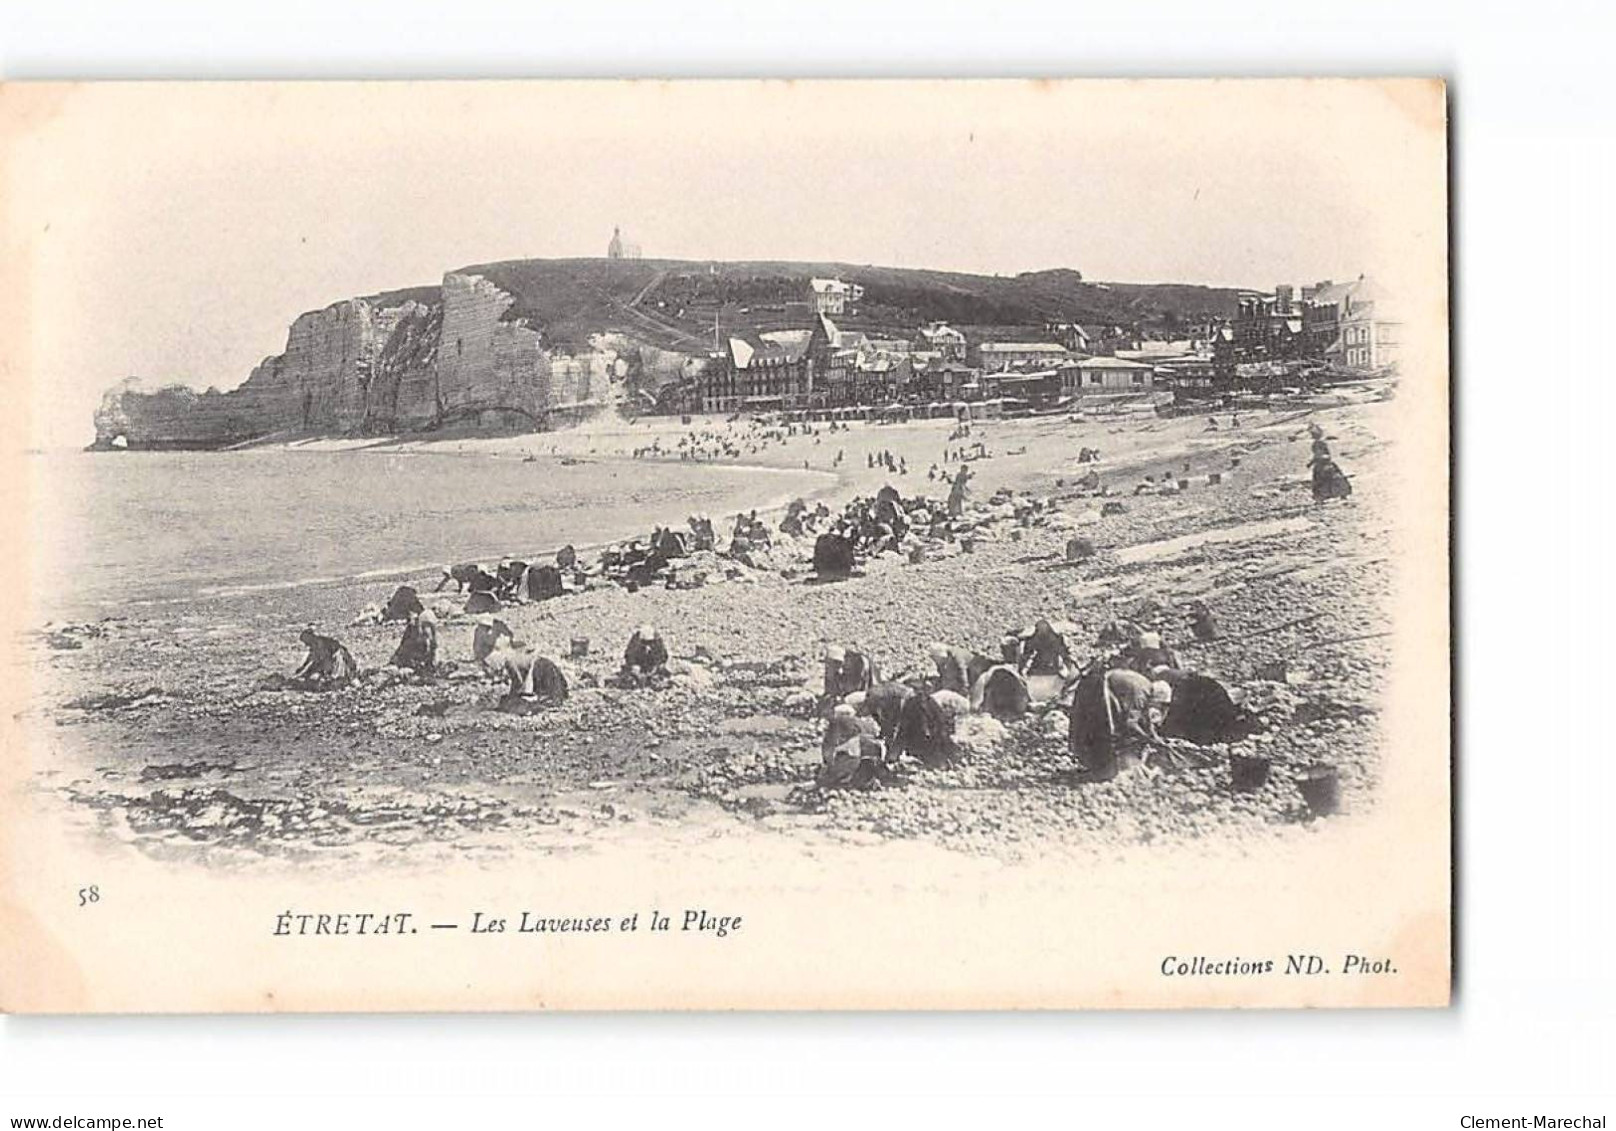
(774, 504)
(814, 484)
(840, 485)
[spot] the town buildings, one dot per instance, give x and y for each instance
(1267, 327)
(831, 368)
(1000, 356)
(759, 372)
(1321, 316)
(1346, 324)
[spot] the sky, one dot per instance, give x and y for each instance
(173, 231)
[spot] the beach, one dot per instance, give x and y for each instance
(153, 730)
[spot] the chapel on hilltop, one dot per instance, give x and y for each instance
(619, 248)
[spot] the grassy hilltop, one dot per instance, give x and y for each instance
(674, 303)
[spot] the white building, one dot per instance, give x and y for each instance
(942, 338)
(832, 296)
(1369, 337)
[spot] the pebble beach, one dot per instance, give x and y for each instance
(153, 728)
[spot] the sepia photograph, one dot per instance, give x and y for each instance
(726, 544)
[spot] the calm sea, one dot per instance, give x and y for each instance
(119, 527)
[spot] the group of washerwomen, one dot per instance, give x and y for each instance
(534, 682)
(876, 524)
(865, 526)
(1123, 708)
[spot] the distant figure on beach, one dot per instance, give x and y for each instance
(847, 671)
(1329, 482)
(670, 543)
(1202, 711)
(328, 664)
(884, 702)
(544, 582)
(842, 727)
(1113, 720)
(418, 648)
(645, 660)
(703, 537)
(958, 669)
(566, 557)
(402, 605)
(1044, 651)
(468, 575)
(486, 637)
(1202, 624)
(925, 732)
(1001, 692)
(533, 682)
(792, 523)
(833, 556)
(509, 574)
(959, 493)
(1144, 653)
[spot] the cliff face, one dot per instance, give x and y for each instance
(370, 367)
(530, 343)
(174, 417)
(484, 362)
(343, 368)
(345, 371)
(493, 363)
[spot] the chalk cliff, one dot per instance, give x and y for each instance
(383, 365)
(534, 343)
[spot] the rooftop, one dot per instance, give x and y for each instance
(1109, 363)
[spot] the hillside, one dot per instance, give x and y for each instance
(673, 304)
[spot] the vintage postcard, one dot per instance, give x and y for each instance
(725, 545)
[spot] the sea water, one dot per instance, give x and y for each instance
(113, 530)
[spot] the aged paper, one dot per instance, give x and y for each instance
(755, 545)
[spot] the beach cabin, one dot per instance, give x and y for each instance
(1107, 375)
